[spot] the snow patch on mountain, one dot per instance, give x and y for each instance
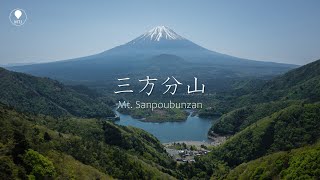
(157, 34)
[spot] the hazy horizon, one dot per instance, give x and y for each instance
(285, 32)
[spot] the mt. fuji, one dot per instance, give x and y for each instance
(160, 40)
(151, 52)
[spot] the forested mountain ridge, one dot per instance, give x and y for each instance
(296, 76)
(36, 95)
(293, 127)
(300, 83)
(300, 163)
(269, 123)
(279, 116)
(43, 147)
(298, 86)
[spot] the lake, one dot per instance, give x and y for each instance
(193, 129)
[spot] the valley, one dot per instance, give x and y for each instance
(257, 120)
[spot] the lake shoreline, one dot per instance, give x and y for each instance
(158, 116)
(194, 128)
(212, 141)
(189, 143)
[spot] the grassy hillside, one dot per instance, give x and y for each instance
(45, 96)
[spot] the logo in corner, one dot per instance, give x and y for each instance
(18, 17)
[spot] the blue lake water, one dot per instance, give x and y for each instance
(193, 129)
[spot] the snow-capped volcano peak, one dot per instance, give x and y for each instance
(162, 32)
(159, 33)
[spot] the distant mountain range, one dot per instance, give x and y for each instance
(161, 46)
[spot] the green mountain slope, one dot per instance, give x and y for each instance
(302, 163)
(45, 147)
(293, 127)
(282, 115)
(290, 128)
(45, 96)
(301, 85)
(296, 78)
(238, 119)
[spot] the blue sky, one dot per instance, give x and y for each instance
(275, 30)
